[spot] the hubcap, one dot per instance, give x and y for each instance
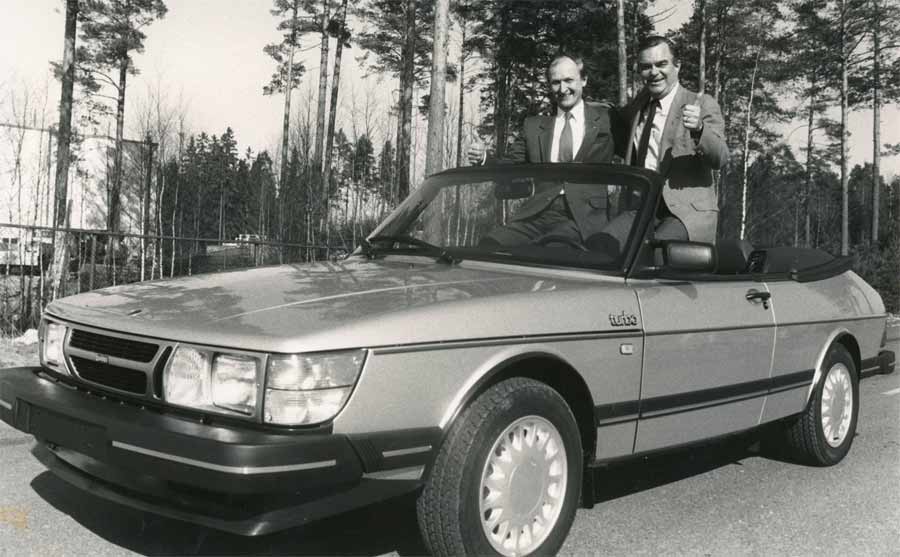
(837, 404)
(523, 486)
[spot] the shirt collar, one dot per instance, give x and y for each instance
(665, 102)
(577, 112)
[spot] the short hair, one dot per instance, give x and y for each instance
(656, 40)
(579, 62)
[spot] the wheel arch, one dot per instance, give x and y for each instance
(846, 339)
(550, 369)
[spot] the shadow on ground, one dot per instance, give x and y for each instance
(386, 527)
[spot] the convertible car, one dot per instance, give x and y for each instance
(492, 379)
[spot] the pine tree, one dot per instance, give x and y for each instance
(111, 30)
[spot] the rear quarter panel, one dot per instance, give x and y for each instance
(809, 317)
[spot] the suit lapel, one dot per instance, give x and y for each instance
(591, 125)
(545, 137)
(635, 112)
(673, 125)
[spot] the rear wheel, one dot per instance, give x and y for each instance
(823, 434)
(506, 480)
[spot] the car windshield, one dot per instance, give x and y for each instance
(572, 215)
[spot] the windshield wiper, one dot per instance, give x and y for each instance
(442, 254)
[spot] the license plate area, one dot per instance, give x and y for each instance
(56, 429)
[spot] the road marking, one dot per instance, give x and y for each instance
(892, 392)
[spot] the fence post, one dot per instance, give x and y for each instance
(93, 259)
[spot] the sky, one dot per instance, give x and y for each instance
(208, 54)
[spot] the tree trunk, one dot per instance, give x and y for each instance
(60, 255)
(701, 81)
(807, 189)
(332, 111)
(323, 91)
(845, 230)
(404, 120)
(462, 95)
(115, 197)
(288, 90)
(145, 206)
(434, 150)
(876, 122)
(746, 163)
(623, 57)
(720, 52)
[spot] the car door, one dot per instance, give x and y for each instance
(707, 359)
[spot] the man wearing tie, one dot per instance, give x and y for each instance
(679, 134)
(577, 132)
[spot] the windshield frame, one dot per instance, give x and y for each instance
(399, 220)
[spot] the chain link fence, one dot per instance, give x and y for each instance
(97, 259)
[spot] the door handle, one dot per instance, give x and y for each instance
(759, 296)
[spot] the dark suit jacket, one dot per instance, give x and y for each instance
(686, 162)
(588, 204)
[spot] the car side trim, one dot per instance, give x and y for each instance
(616, 413)
(733, 328)
(408, 473)
(404, 452)
(610, 414)
(503, 341)
(242, 470)
(6, 405)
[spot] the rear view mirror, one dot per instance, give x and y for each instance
(516, 188)
(693, 257)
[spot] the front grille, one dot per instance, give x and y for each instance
(134, 350)
(115, 377)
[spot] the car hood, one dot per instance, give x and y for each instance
(357, 302)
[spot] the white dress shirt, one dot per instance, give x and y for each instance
(577, 125)
(659, 124)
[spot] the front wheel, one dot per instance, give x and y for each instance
(507, 479)
(822, 435)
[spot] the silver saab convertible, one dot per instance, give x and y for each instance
(492, 379)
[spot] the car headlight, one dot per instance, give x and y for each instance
(52, 346)
(209, 380)
(304, 389)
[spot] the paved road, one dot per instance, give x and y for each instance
(724, 499)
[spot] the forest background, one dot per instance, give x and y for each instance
(368, 106)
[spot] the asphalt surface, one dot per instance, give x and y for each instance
(722, 499)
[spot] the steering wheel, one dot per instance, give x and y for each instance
(543, 241)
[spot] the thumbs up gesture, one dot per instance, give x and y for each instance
(691, 116)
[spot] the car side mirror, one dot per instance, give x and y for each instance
(691, 257)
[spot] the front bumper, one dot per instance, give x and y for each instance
(223, 476)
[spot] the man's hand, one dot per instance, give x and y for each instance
(691, 117)
(477, 153)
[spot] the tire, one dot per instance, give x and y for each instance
(823, 434)
(516, 448)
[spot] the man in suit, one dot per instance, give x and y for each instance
(576, 132)
(681, 135)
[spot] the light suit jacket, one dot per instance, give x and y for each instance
(686, 163)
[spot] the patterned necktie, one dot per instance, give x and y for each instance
(565, 140)
(645, 134)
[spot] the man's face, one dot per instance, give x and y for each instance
(658, 70)
(566, 83)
